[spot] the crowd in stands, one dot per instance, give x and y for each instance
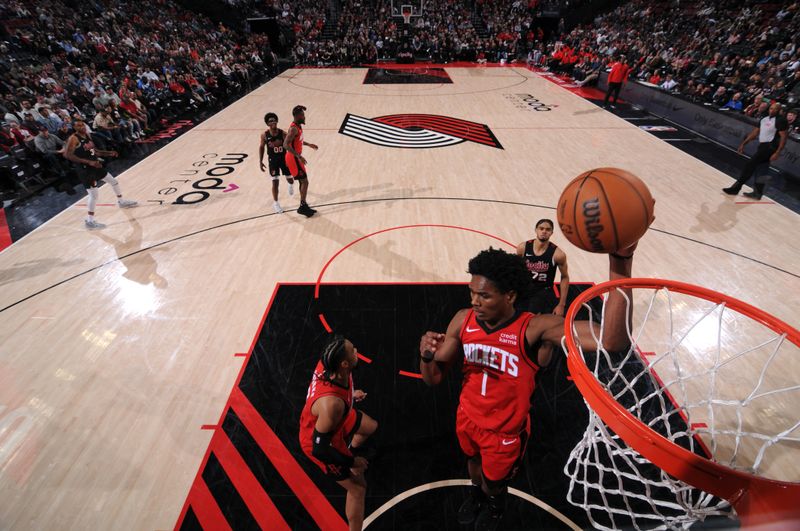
(444, 31)
(123, 67)
(737, 56)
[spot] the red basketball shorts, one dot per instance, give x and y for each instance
(500, 452)
(339, 442)
(296, 168)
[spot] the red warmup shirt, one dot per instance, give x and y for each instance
(297, 143)
(129, 107)
(499, 378)
(619, 73)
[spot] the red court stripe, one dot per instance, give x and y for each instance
(323, 320)
(5, 234)
(261, 507)
(429, 117)
(343, 249)
(317, 505)
(410, 374)
(205, 508)
(438, 124)
(464, 132)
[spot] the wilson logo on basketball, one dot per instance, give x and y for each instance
(417, 131)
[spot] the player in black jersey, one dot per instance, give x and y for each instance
(542, 258)
(81, 150)
(272, 139)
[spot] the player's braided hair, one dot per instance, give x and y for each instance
(506, 271)
(332, 355)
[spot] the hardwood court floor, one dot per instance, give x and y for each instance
(117, 346)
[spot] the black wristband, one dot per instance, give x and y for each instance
(619, 257)
(325, 452)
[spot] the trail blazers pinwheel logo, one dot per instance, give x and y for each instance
(417, 131)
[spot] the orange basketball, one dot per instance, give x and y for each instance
(605, 209)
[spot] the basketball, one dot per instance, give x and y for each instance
(605, 209)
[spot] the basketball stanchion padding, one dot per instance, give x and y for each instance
(706, 422)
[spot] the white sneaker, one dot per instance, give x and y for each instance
(277, 208)
(291, 188)
(127, 203)
(92, 224)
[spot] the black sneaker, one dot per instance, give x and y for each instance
(731, 190)
(472, 506)
(752, 195)
(488, 520)
(306, 210)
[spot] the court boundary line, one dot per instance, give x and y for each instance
(465, 483)
(365, 201)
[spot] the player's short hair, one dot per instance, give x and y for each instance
(545, 220)
(332, 355)
(506, 271)
(298, 109)
(270, 116)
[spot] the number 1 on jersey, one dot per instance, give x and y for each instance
(483, 384)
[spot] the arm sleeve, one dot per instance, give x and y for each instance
(326, 453)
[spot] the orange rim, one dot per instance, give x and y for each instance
(756, 500)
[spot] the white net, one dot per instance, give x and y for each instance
(706, 377)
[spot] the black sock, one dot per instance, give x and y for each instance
(477, 492)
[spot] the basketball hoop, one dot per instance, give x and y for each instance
(406, 12)
(652, 415)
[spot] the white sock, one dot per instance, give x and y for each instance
(110, 179)
(92, 201)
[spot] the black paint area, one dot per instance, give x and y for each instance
(416, 442)
(406, 76)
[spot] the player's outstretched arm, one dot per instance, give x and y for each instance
(617, 318)
(438, 351)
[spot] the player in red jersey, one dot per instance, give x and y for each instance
(293, 144)
(503, 348)
(329, 421)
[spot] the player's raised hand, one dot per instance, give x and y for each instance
(430, 342)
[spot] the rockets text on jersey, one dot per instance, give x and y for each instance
(492, 357)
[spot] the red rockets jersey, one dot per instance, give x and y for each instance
(499, 378)
(318, 388)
